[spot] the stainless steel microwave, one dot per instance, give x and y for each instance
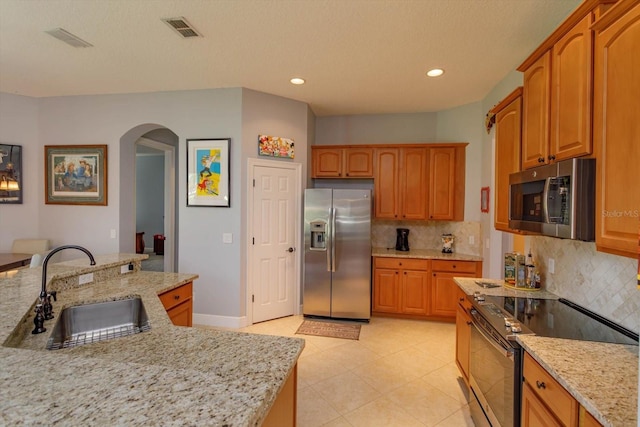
(555, 200)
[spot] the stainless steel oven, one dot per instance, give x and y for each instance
(495, 366)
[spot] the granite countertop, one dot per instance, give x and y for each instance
(423, 254)
(167, 376)
(602, 377)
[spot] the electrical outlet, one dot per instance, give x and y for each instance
(83, 279)
(227, 238)
(472, 240)
(112, 233)
(551, 266)
(124, 269)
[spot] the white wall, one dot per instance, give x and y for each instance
(105, 119)
(19, 126)
(464, 124)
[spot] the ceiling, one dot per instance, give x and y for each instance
(357, 56)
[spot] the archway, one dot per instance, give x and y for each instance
(167, 141)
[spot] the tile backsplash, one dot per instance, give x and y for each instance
(427, 235)
(601, 282)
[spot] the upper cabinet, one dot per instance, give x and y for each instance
(508, 139)
(342, 162)
(616, 127)
(535, 130)
(420, 182)
(558, 83)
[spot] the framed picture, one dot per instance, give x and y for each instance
(75, 174)
(10, 173)
(275, 146)
(484, 199)
(208, 172)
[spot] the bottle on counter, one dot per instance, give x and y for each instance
(530, 272)
(521, 271)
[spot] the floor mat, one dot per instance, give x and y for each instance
(329, 329)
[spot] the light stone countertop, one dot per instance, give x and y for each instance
(602, 377)
(423, 254)
(167, 376)
(469, 286)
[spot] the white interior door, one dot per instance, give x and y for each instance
(275, 221)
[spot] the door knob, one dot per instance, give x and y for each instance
(290, 250)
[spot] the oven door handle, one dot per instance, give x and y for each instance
(508, 353)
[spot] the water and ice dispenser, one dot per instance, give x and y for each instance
(318, 236)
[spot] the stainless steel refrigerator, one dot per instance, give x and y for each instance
(337, 253)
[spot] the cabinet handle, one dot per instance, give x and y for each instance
(405, 273)
(540, 159)
(176, 297)
(540, 384)
(347, 174)
(454, 266)
(461, 300)
(469, 323)
(434, 275)
(552, 157)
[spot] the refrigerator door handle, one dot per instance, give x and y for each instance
(332, 262)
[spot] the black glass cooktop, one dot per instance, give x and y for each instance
(556, 319)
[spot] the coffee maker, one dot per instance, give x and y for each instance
(402, 239)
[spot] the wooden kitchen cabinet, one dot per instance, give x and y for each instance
(463, 335)
(558, 87)
(400, 183)
(342, 162)
(283, 411)
(535, 112)
(544, 401)
(446, 183)
(507, 160)
(616, 128)
(401, 286)
(571, 89)
(179, 304)
(444, 297)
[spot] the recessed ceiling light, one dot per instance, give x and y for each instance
(435, 72)
(297, 81)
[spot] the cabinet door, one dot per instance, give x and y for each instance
(415, 292)
(444, 298)
(182, 314)
(463, 339)
(386, 183)
(442, 174)
(414, 183)
(508, 140)
(358, 162)
(386, 290)
(616, 130)
(535, 113)
(534, 412)
(572, 83)
(327, 162)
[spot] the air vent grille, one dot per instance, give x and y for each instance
(182, 27)
(68, 38)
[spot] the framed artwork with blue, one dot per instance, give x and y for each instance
(208, 172)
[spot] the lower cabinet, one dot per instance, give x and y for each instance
(419, 288)
(179, 304)
(546, 403)
(283, 411)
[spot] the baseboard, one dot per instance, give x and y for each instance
(220, 321)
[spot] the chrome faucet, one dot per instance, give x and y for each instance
(45, 298)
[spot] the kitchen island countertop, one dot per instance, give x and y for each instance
(167, 376)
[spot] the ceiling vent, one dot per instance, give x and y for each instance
(181, 26)
(68, 38)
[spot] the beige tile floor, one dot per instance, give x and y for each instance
(399, 373)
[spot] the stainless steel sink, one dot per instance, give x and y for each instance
(89, 323)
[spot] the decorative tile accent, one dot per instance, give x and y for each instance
(601, 282)
(426, 235)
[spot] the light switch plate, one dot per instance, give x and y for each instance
(472, 240)
(227, 238)
(551, 266)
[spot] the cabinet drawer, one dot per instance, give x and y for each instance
(402, 263)
(552, 394)
(176, 296)
(454, 266)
